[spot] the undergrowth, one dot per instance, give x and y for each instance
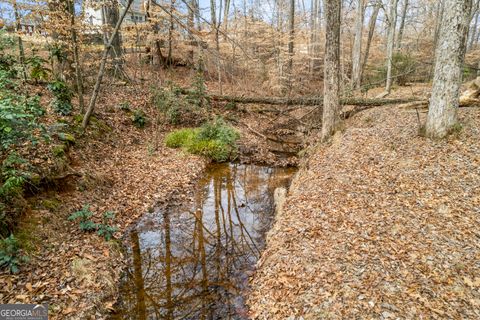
(178, 106)
(103, 229)
(215, 140)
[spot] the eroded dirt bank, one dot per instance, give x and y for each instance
(382, 224)
(117, 168)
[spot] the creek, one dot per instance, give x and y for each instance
(193, 260)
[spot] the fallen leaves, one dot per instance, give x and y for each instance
(78, 273)
(382, 224)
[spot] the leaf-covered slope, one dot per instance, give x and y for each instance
(381, 224)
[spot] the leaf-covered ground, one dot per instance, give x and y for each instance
(381, 224)
(119, 170)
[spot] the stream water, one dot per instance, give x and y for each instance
(192, 261)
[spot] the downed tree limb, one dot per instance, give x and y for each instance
(308, 101)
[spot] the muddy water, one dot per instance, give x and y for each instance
(192, 261)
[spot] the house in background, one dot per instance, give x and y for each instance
(94, 13)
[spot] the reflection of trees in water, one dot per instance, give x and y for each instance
(192, 263)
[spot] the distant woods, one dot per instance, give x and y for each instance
(275, 48)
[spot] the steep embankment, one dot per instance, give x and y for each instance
(382, 224)
(118, 168)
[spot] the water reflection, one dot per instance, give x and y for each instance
(193, 261)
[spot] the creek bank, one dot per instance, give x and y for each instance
(380, 224)
(119, 168)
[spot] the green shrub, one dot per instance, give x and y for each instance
(7, 60)
(403, 68)
(62, 103)
(38, 71)
(84, 215)
(139, 118)
(218, 130)
(10, 256)
(13, 176)
(215, 140)
(178, 106)
(104, 229)
(179, 138)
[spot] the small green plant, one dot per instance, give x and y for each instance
(179, 138)
(139, 118)
(38, 71)
(198, 95)
(84, 216)
(14, 176)
(215, 140)
(104, 229)
(63, 97)
(10, 256)
(124, 106)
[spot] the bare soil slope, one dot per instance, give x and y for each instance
(381, 224)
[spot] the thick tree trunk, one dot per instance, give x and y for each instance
(101, 70)
(111, 18)
(450, 53)
(357, 46)
(392, 19)
(402, 24)
(438, 23)
(371, 30)
(331, 101)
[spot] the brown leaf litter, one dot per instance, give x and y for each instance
(78, 273)
(381, 224)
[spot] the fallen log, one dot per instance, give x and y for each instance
(308, 101)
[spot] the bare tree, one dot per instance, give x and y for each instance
(20, 41)
(371, 29)
(101, 70)
(392, 19)
(402, 24)
(450, 52)
(331, 100)
(76, 56)
(315, 26)
(357, 46)
(291, 39)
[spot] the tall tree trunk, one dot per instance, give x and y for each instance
(226, 13)
(191, 28)
(473, 29)
(112, 14)
(450, 52)
(392, 19)
(20, 41)
(371, 30)
(438, 23)
(291, 38)
(76, 57)
(357, 46)
(170, 34)
(101, 70)
(331, 102)
(402, 24)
